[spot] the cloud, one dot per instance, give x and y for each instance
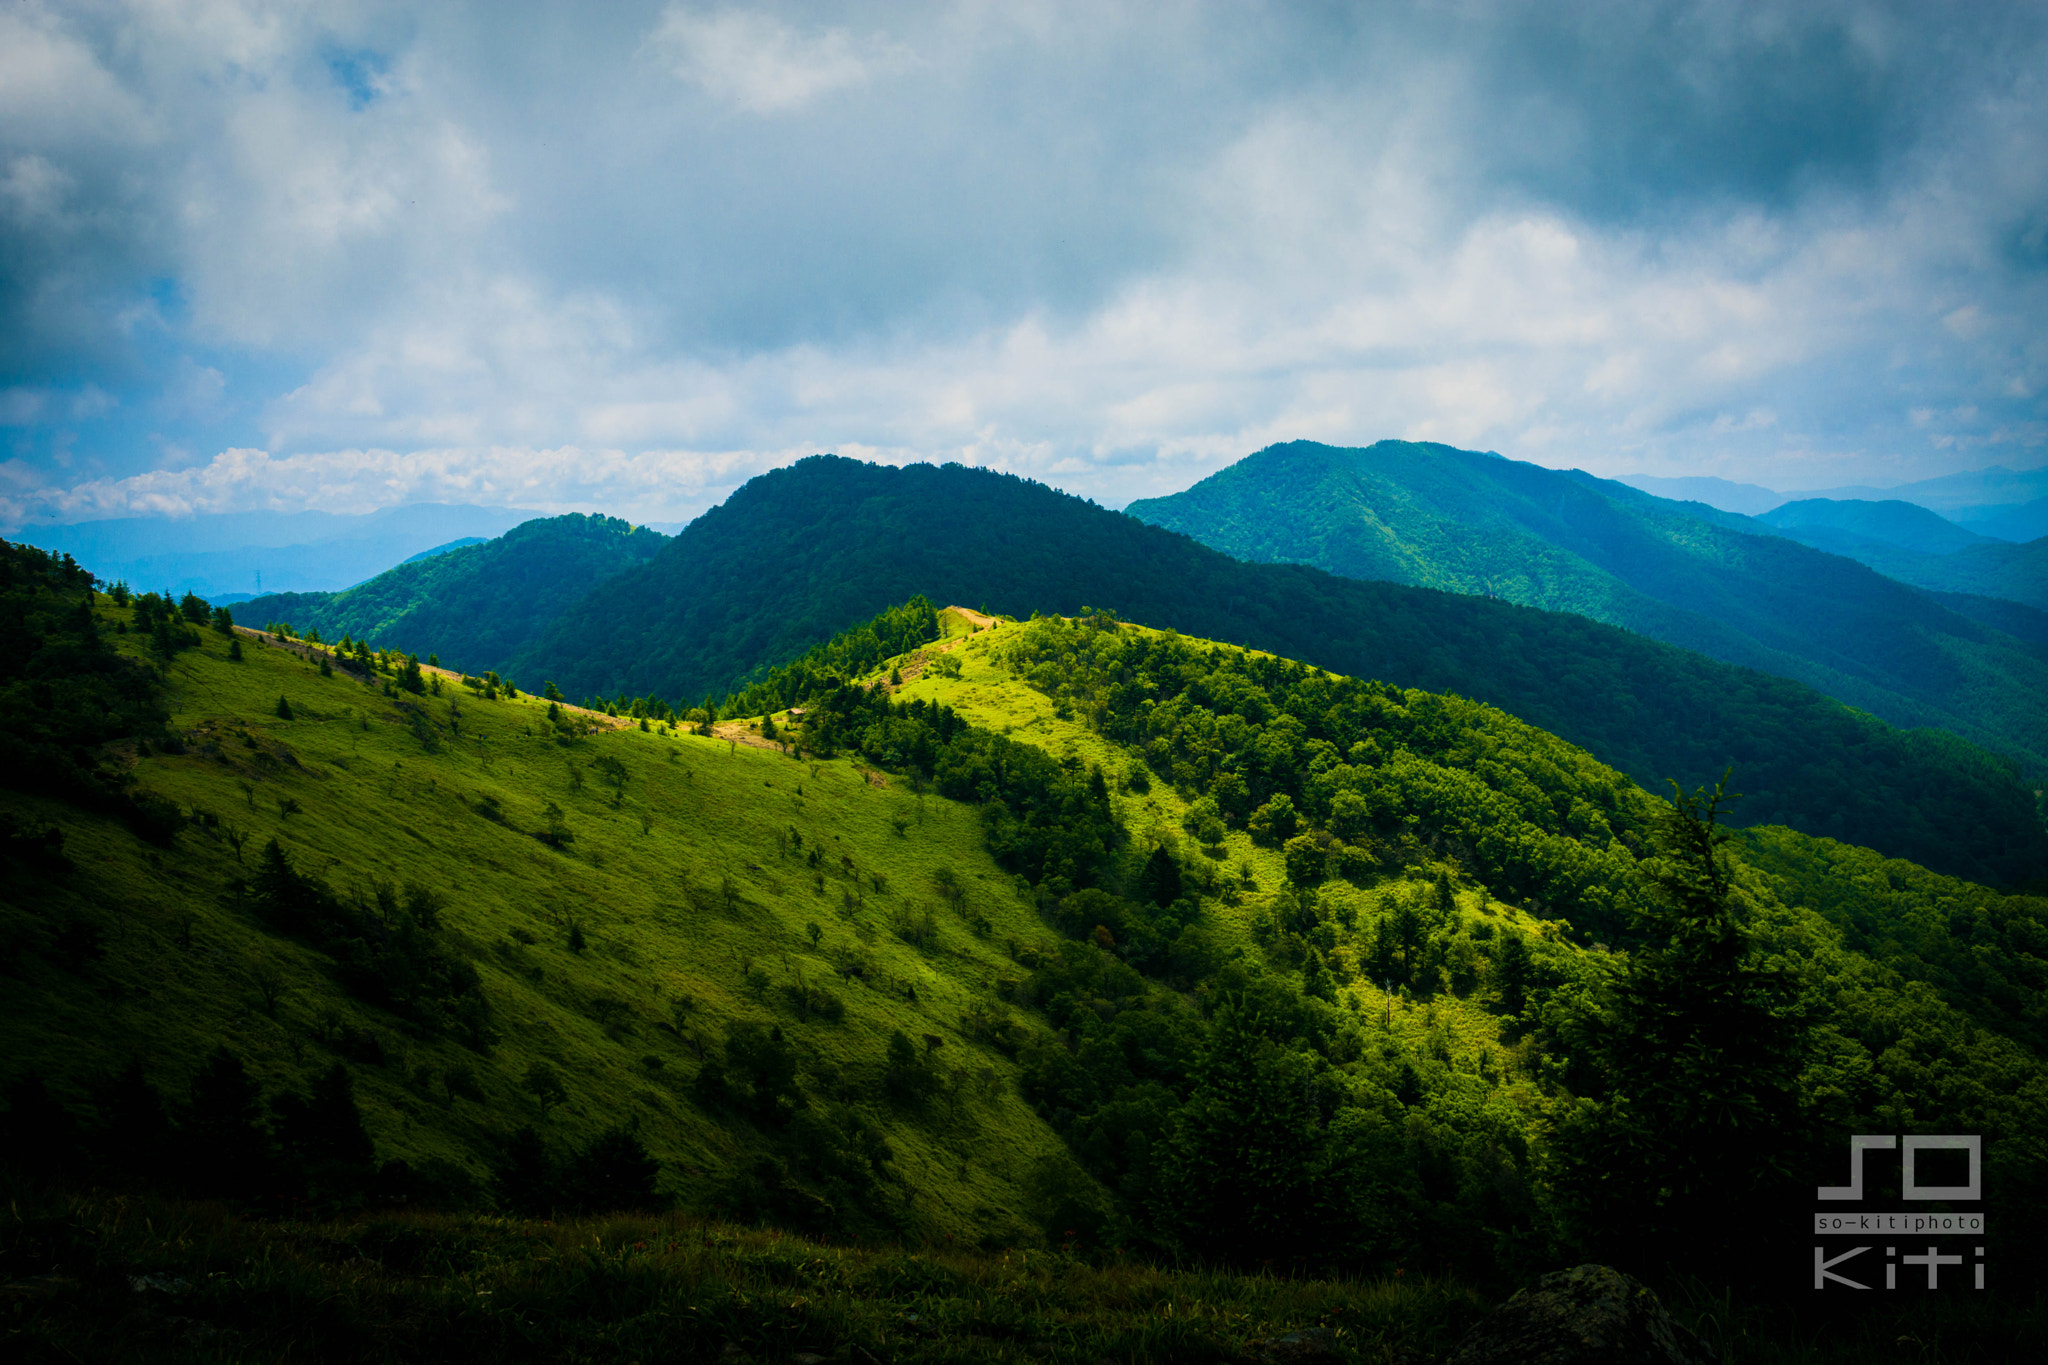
(672, 484)
(1108, 245)
(760, 65)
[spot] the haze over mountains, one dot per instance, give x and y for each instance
(802, 552)
(2004, 503)
(230, 556)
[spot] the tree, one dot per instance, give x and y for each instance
(1160, 881)
(613, 774)
(614, 1172)
(1306, 861)
(1700, 1044)
(283, 708)
(324, 1140)
(542, 1082)
(227, 1154)
(576, 940)
(410, 677)
(553, 694)
(523, 1178)
(1245, 1153)
(1275, 822)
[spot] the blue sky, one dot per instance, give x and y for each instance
(622, 257)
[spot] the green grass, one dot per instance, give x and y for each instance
(646, 878)
(91, 1277)
(626, 1288)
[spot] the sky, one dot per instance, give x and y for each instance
(623, 257)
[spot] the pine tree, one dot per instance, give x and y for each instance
(283, 708)
(1700, 1046)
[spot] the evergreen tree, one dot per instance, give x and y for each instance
(1245, 1155)
(227, 1152)
(1700, 1047)
(283, 708)
(524, 1179)
(614, 1172)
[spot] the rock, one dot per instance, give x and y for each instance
(1588, 1315)
(1311, 1346)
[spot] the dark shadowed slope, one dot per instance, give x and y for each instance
(475, 605)
(1438, 517)
(802, 552)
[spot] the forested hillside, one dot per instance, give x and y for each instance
(1068, 933)
(476, 605)
(802, 552)
(1915, 546)
(1731, 588)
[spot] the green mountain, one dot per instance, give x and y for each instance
(476, 604)
(1915, 546)
(1068, 933)
(1683, 573)
(800, 553)
(1901, 525)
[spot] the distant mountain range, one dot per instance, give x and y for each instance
(230, 555)
(1730, 587)
(2002, 503)
(1910, 543)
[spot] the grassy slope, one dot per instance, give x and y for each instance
(375, 801)
(375, 804)
(1434, 516)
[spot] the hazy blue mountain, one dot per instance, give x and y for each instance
(1434, 516)
(1906, 525)
(1747, 498)
(1904, 541)
(475, 605)
(1979, 490)
(223, 553)
(2018, 522)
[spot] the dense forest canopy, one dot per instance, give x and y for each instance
(1731, 587)
(802, 553)
(478, 605)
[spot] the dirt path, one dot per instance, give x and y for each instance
(981, 622)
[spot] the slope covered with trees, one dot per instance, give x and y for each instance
(1915, 546)
(1083, 934)
(1729, 587)
(802, 552)
(475, 605)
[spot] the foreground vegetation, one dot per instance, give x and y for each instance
(1064, 937)
(148, 1280)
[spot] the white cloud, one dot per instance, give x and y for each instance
(758, 64)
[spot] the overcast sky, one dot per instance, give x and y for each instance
(624, 256)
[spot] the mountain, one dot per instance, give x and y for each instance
(455, 544)
(477, 604)
(1466, 522)
(1911, 544)
(1975, 491)
(1748, 499)
(800, 553)
(2017, 522)
(1902, 525)
(1069, 936)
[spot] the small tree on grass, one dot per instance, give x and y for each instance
(283, 708)
(542, 1082)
